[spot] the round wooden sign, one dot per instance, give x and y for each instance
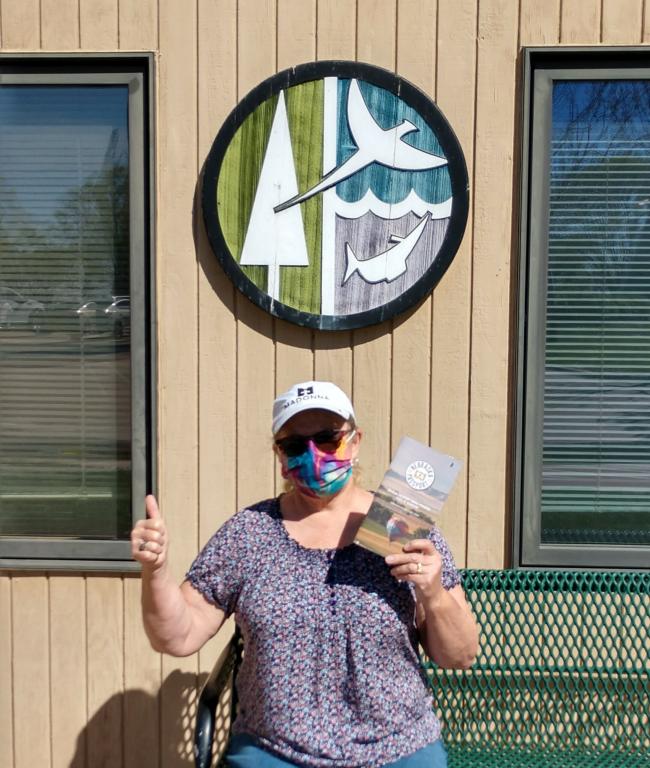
(335, 195)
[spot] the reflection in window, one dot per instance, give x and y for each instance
(65, 402)
(596, 400)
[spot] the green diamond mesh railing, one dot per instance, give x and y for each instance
(563, 668)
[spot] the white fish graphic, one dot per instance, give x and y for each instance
(374, 145)
(389, 264)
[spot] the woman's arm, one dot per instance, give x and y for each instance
(448, 631)
(177, 620)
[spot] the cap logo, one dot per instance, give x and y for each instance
(302, 391)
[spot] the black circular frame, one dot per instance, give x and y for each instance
(412, 96)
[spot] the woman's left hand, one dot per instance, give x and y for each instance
(419, 563)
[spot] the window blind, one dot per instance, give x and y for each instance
(65, 403)
(596, 401)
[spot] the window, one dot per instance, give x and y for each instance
(75, 374)
(583, 472)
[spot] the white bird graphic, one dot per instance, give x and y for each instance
(375, 144)
(387, 265)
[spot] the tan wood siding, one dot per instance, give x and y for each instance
(451, 334)
(138, 25)
(21, 25)
(105, 660)
(60, 25)
(410, 412)
(31, 671)
(69, 673)
(98, 24)
(6, 675)
(580, 22)
(335, 39)
(142, 679)
(492, 248)
(73, 655)
(217, 91)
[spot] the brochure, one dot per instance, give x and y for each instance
(412, 493)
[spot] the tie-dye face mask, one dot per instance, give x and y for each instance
(317, 473)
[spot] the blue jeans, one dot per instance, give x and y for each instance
(243, 752)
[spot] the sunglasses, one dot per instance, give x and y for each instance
(327, 439)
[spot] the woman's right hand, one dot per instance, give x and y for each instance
(149, 538)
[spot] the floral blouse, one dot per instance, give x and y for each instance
(330, 674)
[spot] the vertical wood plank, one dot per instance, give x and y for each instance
(622, 22)
(646, 22)
(138, 24)
(296, 32)
(178, 696)
(217, 84)
(336, 32)
(294, 359)
(333, 358)
(60, 24)
(372, 347)
(335, 39)
(495, 118)
(450, 344)
(105, 633)
(256, 43)
(371, 399)
(580, 22)
(31, 671)
(539, 22)
(255, 394)
(142, 680)
(376, 32)
(20, 25)
(416, 42)
(411, 359)
(98, 24)
(218, 328)
(255, 353)
(178, 330)
(217, 88)
(68, 673)
(6, 675)
(177, 280)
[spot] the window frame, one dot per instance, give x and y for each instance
(137, 71)
(540, 67)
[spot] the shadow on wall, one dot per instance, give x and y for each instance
(136, 729)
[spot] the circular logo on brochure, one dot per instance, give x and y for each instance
(420, 475)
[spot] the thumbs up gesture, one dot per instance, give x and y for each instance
(149, 538)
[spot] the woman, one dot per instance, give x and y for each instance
(330, 675)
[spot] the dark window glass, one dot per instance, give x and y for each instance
(582, 473)
(596, 425)
(65, 322)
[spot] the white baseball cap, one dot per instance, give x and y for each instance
(307, 395)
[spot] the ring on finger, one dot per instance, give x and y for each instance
(419, 568)
(143, 546)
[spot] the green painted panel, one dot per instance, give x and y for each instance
(300, 287)
(238, 179)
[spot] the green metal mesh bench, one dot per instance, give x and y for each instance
(563, 674)
(562, 679)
